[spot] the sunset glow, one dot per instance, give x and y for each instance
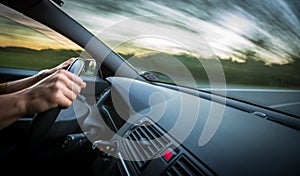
(20, 31)
(269, 29)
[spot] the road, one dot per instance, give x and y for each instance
(279, 99)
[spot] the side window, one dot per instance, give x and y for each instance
(27, 44)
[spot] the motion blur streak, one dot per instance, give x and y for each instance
(236, 30)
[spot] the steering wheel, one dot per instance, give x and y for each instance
(42, 122)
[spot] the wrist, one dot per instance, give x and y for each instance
(22, 102)
(3, 88)
(42, 74)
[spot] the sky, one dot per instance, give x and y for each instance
(264, 30)
(20, 31)
(229, 29)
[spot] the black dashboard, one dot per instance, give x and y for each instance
(161, 131)
(157, 129)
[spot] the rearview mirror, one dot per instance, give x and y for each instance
(90, 67)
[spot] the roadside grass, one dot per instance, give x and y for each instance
(13, 57)
(250, 73)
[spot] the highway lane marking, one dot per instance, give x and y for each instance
(284, 104)
(254, 90)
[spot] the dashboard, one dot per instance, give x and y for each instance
(157, 130)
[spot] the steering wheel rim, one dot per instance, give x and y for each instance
(42, 122)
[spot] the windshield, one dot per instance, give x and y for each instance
(248, 48)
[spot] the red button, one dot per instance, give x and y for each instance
(168, 154)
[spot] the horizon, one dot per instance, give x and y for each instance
(266, 31)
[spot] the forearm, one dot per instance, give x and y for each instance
(58, 89)
(17, 85)
(21, 84)
(12, 106)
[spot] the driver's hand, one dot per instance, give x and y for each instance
(63, 65)
(58, 89)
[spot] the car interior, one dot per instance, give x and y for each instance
(127, 123)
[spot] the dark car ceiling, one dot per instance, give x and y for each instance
(19, 5)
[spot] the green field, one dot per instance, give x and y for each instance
(250, 73)
(24, 58)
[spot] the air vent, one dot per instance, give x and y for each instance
(183, 167)
(144, 142)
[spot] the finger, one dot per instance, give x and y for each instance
(73, 86)
(68, 62)
(59, 100)
(69, 83)
(65, 64)
(71, 60)
(64, 97)
(75, 78)
(71, 94)
(64, 102)
(83, 85)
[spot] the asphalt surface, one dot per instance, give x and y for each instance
(282, 100)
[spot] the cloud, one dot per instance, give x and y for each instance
(19, 30)
(212, 28)
(268, 28)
